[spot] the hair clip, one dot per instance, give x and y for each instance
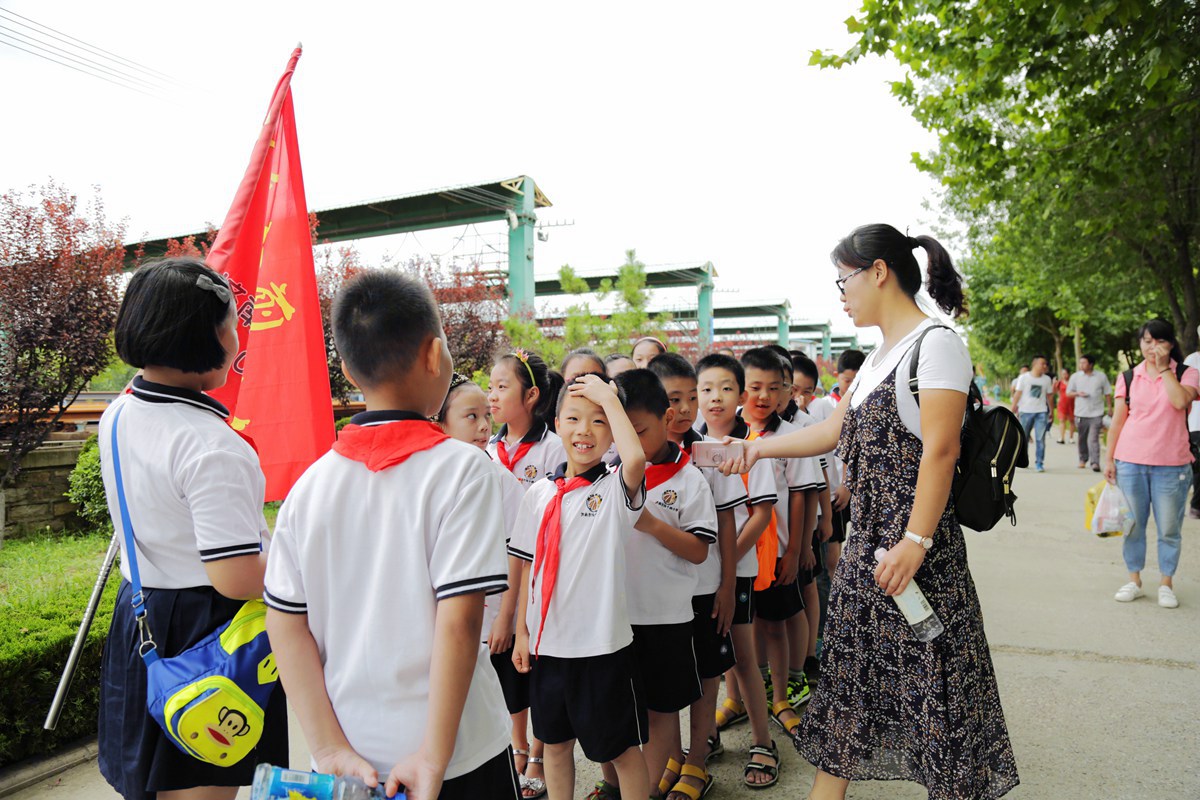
(456, 380)
(523, 357)
(219, 289)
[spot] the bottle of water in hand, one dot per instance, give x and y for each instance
(277, 783)
(916, 609)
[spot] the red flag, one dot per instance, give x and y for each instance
(278, 389)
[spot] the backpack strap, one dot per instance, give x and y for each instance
(148, 648)
(1180, 368)
(916, 358)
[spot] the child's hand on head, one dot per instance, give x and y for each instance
(593, 388)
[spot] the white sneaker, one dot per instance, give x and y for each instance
(1130, 592)
(1166, 597)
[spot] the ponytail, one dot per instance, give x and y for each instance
(942, 280)
(869, 243)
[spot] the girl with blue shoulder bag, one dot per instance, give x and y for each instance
(189, 697)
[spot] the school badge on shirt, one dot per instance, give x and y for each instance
(669, 497)
(592, 503)
(530, 471)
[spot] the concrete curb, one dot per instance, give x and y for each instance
(34, 771)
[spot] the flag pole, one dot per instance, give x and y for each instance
(64, 683)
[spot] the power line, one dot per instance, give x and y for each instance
(84, 62)
(84, 45)
(77, 69)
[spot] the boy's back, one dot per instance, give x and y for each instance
(368, 555)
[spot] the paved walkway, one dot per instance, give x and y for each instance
(1100, 697)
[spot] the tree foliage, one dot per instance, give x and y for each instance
(1069, 145)
(581, 326)
(59, 267)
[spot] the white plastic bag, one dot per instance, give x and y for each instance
(1113, 515)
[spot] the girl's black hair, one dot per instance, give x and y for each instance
(1163, 331)
(880, 241)
(171, 316)
(583, 352)
(547, 381)
(807, 367)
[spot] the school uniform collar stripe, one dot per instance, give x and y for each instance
(161, 393)
(772, 424)
(740, 429)
(536, 433)
(592, 475)
(690, 437)
(367, 418)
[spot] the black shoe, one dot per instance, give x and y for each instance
(1095, 468)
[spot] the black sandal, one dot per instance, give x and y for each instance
(772, 770)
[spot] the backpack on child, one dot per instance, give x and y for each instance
(994, 444)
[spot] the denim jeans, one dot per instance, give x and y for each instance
(1166, 490)
(1038, 422)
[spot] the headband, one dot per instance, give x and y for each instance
(457, 380)
(654, 339)
(219, 289)
(523, 357)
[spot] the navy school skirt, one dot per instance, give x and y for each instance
(135, 756)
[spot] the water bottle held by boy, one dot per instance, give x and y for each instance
(277, 783)
(916, 609)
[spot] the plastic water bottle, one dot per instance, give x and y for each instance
(916, 609)
(277, 783)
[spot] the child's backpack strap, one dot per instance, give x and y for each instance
(148, 649)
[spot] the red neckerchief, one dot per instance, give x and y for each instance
(767, 546)
(548, 549)
(658, 474)
(389, 444)
(502, 451)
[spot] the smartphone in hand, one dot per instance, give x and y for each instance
(714, 454)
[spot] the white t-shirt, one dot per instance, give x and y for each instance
(543, 457)
(945, 364)
(791, 475)
(660, 584)
(759, 484)
(1097, 387)
(1034, 392)
(367, 556)
(588, 614)
(728, 493)
(194, 488)
(512, 492)
(1194, 414)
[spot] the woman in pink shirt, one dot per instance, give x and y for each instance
(1149, 455)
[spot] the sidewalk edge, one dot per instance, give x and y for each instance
(37, 770)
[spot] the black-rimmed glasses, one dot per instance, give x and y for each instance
(841, 282)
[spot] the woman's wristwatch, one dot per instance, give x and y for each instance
(926, 542)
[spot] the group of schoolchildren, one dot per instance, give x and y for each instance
(634, 579)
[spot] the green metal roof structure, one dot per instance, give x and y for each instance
(513, 200)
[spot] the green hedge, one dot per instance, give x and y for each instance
(87, 487)
(44, 587)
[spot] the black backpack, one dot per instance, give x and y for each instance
(994, 444)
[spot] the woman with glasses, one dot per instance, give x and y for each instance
(889, 706)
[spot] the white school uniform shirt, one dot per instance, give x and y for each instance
(660, 584)
(541, 460)
(512, 492)
(945, 364)
(193, 486)
(367, 556)
(759, 483)
(588, 614)
(728, 493)
(791, 475)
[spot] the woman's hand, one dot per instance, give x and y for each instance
(1162, 355)
(742, 464)
(898, 566)
(1110, 472)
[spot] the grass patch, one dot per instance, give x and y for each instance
(45, 582)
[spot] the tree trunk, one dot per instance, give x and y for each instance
(1078, 343)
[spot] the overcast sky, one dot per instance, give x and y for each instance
(690, 131)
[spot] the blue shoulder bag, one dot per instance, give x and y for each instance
(211, 699)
